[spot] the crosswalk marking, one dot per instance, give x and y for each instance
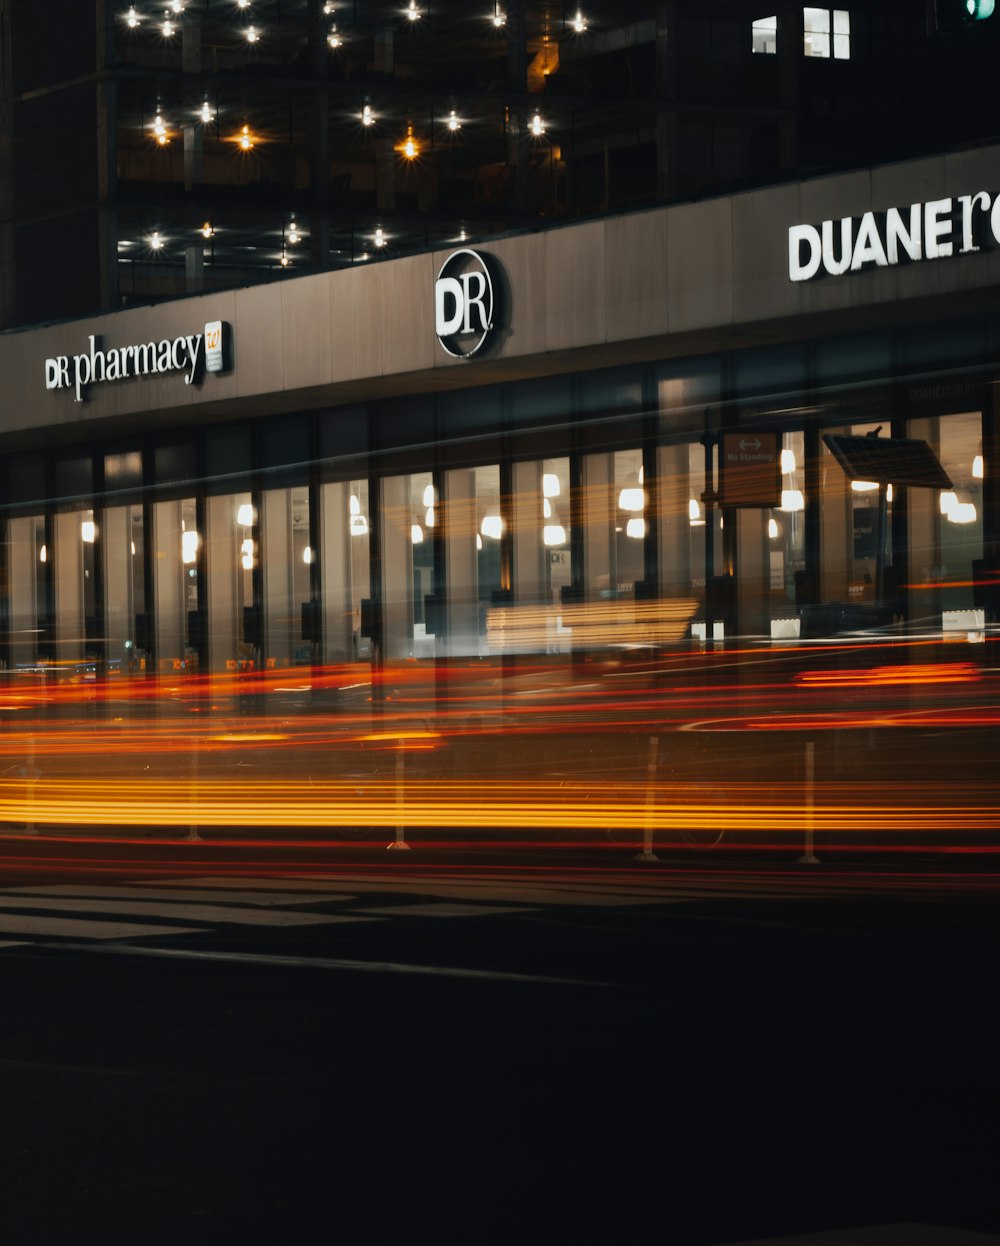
(179, 889)
(74, 928)
(226, 914)
(442, 910)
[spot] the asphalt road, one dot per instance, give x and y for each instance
(239, 1042)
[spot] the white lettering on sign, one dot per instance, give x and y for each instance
(464, 303)
(921, 231)
(97, 365)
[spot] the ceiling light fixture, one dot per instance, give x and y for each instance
(367, 116)
(132, 18)
(537, 126)
(252, 35)
(578, 23)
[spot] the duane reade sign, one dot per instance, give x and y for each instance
(191, 354)
(465, 303)
(921, 231)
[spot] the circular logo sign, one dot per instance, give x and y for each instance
(464, 303)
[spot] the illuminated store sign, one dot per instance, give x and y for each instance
(192, 354)
(923, 231)
(465, 303)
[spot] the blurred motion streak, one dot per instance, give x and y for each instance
(217, 802)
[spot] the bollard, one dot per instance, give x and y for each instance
(809, 857)
(399, 842)
(647, 853)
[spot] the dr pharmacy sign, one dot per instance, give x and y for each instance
(922, 231)
(192, 354)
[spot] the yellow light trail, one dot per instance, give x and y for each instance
(464, 805)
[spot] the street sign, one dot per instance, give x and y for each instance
(750, 469)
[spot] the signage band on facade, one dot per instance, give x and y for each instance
(190, 353)
(921, 231)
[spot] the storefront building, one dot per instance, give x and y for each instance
(472, 452)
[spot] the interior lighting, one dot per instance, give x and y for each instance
(492, 526)
(977, 467)
(246, 139)
(479, 542)
(88, 531)
(430, 495)
(207, 231)
(307, 555)
(160, 132)
(333, 39)
(412, 12)
(962, 512)
(429, 517)
(787, 462)
(177, 5)
(359, 525)
(772, 528)
(284, 259)
(462, 235)
(43, 554)
(243, 4)
(156, 242)
(293, 231)
(554, 534)
(367, 116)
(132, 18)
(189, 546)
(453, 122)
(546, 508)
(252, 35)
(694, 511)
(244, 516)
(550, 485)
(416, 534)
(354, 505)
(948, 501)
(379, 237)
(327, 9)
(579, 24)
(636, 528)
(408, 147)
(499, 17)
(792, 500)
(864, 486)
(537, 126)
(632, 497)
(206, 114)
(246, 554)
(167, 28)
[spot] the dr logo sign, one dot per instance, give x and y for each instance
(465, 303)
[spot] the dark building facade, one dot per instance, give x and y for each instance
(150, 151)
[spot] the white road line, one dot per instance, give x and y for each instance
(69, 928)
(179, 910)
(182, 893)
(361, 966)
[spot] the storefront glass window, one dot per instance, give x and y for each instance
(26, 564)
(946, 526)
(345, 576)
(287, 559)
(124, 590)
(177, 551)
